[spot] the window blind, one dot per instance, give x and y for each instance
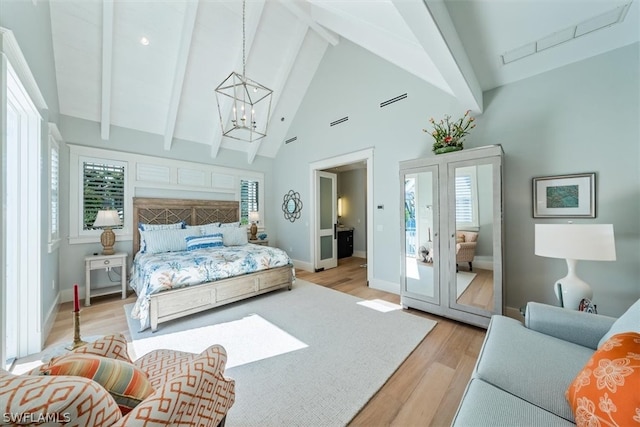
(54, 178)
(464, 199)
(103, 188)
(248, 199)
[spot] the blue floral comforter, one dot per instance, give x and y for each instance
(153, 273)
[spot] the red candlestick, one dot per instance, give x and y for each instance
(76, 299)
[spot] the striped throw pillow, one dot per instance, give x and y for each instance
(148, 227)
(206, 241)
(159, 241)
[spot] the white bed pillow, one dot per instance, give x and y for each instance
(232, 236)
(172, 240)
(148, 227)
(207, 241)
(230, 224)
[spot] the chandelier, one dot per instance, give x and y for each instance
(251, 102)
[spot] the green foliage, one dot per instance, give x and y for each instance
(449, 133)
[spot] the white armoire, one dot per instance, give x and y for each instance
(452, 234)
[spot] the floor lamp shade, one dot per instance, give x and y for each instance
(107, 219)
(574, 242)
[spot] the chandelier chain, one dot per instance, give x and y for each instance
(244, 72)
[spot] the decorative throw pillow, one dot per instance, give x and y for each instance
(605, 392)
(149, 227)
(206, 241)
(127, 384)
(628, 322)
(212, 228)
(230, 224)
(173, 240)
(232, 236)
(111, 346)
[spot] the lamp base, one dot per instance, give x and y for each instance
(108, 239)
(254, 230)
(570, 290)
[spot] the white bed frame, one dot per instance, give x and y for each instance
(181, 302)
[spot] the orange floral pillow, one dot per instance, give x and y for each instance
(607, 390)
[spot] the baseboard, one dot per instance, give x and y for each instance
(303, 265)
(360, 254)
(50, 319)
(384, 285)
(483, 262)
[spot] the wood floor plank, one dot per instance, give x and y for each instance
(424, 390)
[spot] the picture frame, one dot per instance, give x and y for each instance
(565, 196)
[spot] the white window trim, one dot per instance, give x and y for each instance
(55, 140)
(474, 225)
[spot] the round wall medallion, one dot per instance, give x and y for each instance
(291, 205)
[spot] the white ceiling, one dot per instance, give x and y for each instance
(105, 74)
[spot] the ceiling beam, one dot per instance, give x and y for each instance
(107, 67)
(189, 22)
(286, 65)
(431, 23)
(254, 14)
(305, 17)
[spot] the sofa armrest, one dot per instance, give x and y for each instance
(578, 327)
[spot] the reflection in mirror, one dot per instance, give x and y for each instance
(418, 219)
(291, 206)
(474, 236)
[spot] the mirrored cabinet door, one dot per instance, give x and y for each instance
(451, 222)
(475, 236)
(421, 234)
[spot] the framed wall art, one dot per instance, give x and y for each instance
(565, 196)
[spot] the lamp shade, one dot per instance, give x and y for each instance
(594, 242)
(254, 216)
(107, 218)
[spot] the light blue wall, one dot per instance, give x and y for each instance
(31, 25)
(580, 118)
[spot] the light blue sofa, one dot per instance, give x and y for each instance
(523, 371)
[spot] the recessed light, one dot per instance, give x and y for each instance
(144, 41)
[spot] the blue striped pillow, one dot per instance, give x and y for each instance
(173, 240)
(206, 241)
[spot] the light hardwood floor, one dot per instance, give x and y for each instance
(424, 391)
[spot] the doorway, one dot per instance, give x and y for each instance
(362, 222)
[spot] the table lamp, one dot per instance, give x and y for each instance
(254, 217)
(107, 219)
(573, 242)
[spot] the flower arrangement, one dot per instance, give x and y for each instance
(449, 133)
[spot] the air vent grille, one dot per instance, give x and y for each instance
(392, 100)
(337, 122)
(290, 140)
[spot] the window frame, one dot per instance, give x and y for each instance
(471, 172)
(260, 198)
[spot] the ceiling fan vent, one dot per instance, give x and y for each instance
(290, 140)
(392, 100)
(337, 122)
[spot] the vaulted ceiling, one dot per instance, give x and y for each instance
(105, 73)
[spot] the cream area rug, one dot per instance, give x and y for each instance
(311, 356)
(420, 278)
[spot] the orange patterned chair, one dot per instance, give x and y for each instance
(187, 389)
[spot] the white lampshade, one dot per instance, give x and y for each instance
(573, 242)
(254, 216)
(107, 218)
(594, 242)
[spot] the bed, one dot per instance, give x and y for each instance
(157, 304)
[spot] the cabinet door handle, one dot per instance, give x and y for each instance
(107, 262)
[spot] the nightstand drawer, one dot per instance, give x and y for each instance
(104, 263)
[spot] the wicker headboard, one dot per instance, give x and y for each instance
(169, 211)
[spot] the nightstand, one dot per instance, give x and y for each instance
(98, 262)
(264, 242)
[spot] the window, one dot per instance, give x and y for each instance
(54, 185)
(103, 187)
(249, 196)
(466, 197)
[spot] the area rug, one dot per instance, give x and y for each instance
(463, 280)
(311, 356)
(420, 278)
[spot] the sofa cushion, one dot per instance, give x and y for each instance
(536, 367)
(628, 322)
(605, 392)
(111, 346)
(486, 405)
(125, 382)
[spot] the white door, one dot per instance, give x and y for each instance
(326, 215)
